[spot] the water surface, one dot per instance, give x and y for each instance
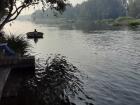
(109, 59)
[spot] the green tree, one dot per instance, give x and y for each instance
(134, 8)
(99, 9)
(94, 10)
(10, 9)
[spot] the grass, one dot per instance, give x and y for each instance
(120, 21)
(126, 21)
(17, 43)
(134, 23)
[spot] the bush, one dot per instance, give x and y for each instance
(57, 82)
(2, 38)
(122, 19)
(134, 23)
(18, 44)
(126, 21)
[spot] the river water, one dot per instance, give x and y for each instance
(109, 59)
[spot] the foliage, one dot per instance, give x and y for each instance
(58, 81)
(105, 21)
(18, 44)
(90, 10)
(13, 8)
(102, 9)
(126, 21)
(121, 19)
(134, 8)
(2, 39)
(1, 8)
(134, 23)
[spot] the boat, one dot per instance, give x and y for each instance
(35, 34)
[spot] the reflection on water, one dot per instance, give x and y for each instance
(35, 40)
(110, 59)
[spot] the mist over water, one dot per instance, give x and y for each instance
(109, 59)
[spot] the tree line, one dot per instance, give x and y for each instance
(134, 8)
(95, 10)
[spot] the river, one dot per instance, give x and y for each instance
(109, 59)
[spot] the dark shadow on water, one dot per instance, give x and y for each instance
(35, 40)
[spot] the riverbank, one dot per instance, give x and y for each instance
(89, 25)
(126, 21)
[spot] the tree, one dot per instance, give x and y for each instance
(58, 81)
(11, 9)
(92, 10)
(134, 8)
(100, 9)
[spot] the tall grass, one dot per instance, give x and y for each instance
(18, 44)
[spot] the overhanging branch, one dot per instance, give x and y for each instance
(19, 10)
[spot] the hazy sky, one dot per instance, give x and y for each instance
(31, 9)
(74, 2)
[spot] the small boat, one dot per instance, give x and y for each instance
(35, 34)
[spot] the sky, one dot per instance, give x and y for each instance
(32, 9)
(74, 2)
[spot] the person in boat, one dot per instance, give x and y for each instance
(35, 33)
(35, 30)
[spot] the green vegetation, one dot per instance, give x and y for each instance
(17, 43)
(134, 23)
(91, 10)
(134, 8)
(55, 82)
(98, 12)
(126, 21)
(121, 19)
(105, 21)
